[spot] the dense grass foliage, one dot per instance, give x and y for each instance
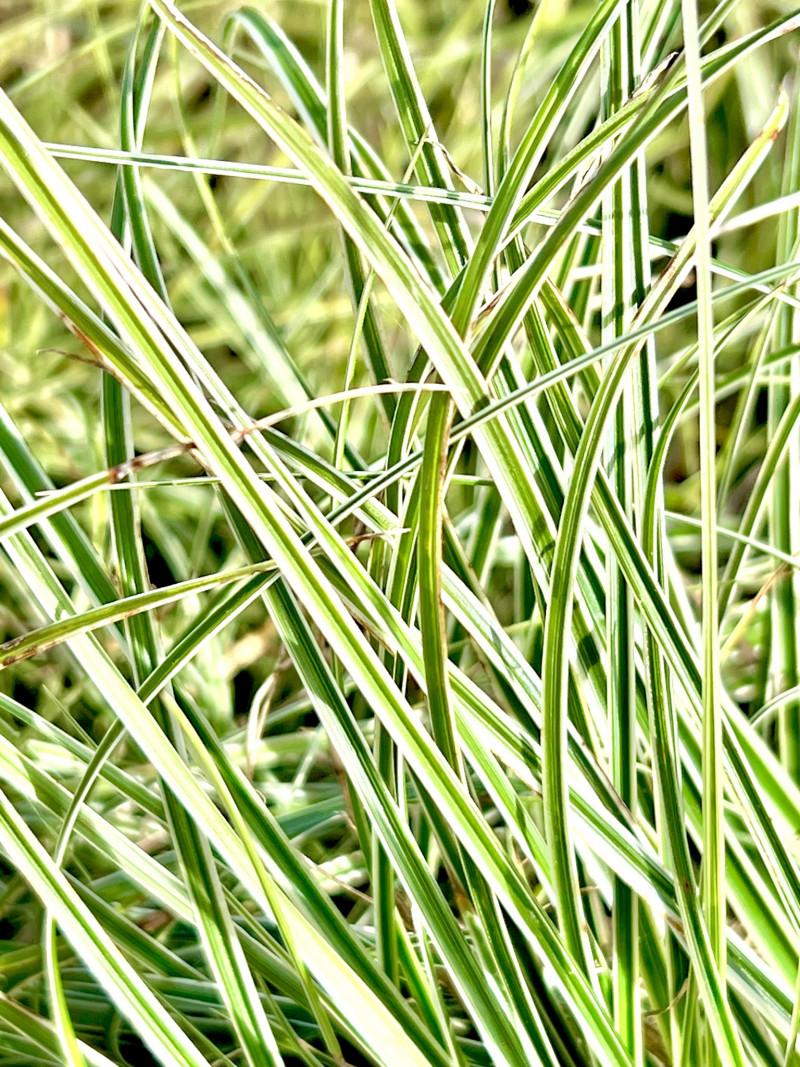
(399, 533)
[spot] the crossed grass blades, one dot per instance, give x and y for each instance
(400, 534)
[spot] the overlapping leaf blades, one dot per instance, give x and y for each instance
(497, 930)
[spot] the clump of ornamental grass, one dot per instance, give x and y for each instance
(399, 522)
